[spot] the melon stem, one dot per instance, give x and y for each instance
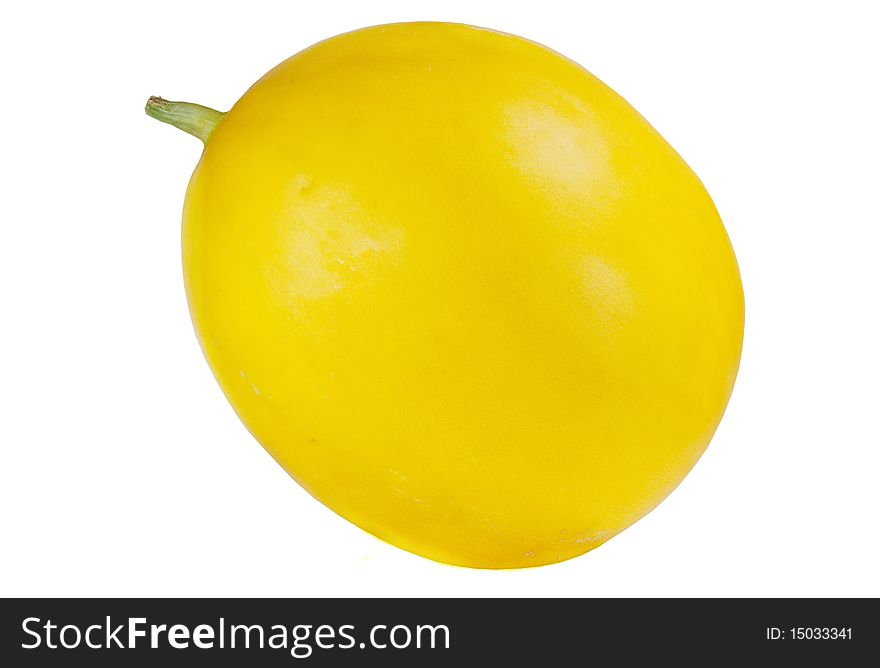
(192, 118)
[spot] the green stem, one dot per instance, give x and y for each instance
(195, 119)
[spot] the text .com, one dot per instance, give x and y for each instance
(300, 640)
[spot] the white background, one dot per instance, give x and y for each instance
(124, 472)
